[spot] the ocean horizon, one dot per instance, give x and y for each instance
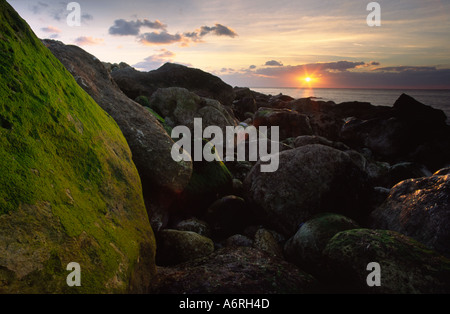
(436, 98)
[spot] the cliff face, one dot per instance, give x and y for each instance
(69, 191)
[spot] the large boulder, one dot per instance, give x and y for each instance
(311, 179)
(419, 208)
(406, 266)
(134, 83)
(179, 107)
(234, 270)
(69, 191)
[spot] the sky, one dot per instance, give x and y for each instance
(263, 43)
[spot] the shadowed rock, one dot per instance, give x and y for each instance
(134, 83)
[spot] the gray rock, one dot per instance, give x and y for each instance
(310, 180)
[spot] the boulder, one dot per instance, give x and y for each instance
(234, 270)
(181, 106)
(290, 123)
(311, 179)
(419, 208)
(176, 247)
(134, 83)
(69, 191)
(406, 266)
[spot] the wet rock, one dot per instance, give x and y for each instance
(234, 271)
(175, 247)
(419, 208)
(310, 180)
(406, 265)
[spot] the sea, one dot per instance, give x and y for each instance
(439, 99)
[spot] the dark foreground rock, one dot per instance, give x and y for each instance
(69, 191)
(311, 179)
(406, 265)
(419, 208)
(134, 83)
(239, 270)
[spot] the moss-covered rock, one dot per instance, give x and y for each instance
(306, 246)
(406, 265)
(69, 191)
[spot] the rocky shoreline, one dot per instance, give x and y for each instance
(356, 184)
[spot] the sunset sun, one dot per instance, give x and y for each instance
(308, 79)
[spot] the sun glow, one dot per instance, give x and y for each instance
(308, 79)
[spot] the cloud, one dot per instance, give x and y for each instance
(274, 63)
(155, 61)
(252, 67)
(122, 27)
(51, 29)
(88, 41)
(217, 30)
(161, 38)
(406, 69)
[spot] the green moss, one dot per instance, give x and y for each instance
(58, 147)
